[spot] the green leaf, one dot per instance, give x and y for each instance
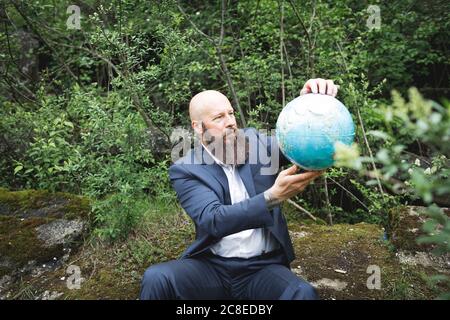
(379, 134)
(383, 156)
(68, 124)
(17, 169)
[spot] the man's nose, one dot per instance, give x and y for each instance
(231, 122)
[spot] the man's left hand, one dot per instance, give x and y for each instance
(320, 86)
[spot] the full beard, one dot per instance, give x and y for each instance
(230, 148)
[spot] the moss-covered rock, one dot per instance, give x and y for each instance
(338, 260)
(42, 203)
(37, 226)
(405, 226)
(111, 270)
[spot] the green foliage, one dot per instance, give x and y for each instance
(437, 229)
(90, 110)
(118, 214)
(429, 122)
(91, 144)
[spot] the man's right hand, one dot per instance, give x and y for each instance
(289, 184)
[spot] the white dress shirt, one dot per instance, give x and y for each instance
(247, 243)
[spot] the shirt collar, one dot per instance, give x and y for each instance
(216, 160)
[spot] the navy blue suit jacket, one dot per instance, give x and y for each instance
(203, 192)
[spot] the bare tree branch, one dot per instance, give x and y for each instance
(327, 198)
(283, 95)
(363, 130)
(308, 37)
(302, 209)
(350, 193)
(38, 34)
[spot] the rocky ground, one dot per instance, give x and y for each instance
(39, 231)
(46, 253)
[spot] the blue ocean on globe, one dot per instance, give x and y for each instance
(308, 128)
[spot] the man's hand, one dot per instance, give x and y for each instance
(320, 86)
(289, 184)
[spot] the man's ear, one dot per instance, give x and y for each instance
(197, 126)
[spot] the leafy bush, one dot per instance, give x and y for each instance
(428, 122)
(90, 110)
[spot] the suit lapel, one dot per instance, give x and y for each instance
(247, 178)
(214, 169)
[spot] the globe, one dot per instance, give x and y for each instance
(308, 128)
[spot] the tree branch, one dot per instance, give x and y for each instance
(37, 33)
(302, 209)
(283, 95)
(308, 37)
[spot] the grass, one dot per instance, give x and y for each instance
(115, 270)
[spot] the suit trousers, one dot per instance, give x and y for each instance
(208, 276)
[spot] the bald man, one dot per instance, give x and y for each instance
(242, 249)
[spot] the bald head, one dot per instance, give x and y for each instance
(213, 120)
(206, 103)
